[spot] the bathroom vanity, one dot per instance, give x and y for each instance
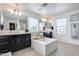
(14, 42)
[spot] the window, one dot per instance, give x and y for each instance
(61, 25)
(33, 24)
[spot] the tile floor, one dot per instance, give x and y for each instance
(63, 49)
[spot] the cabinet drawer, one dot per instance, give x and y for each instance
(19, 36)
(3, 39)
(28, 36)
(4, 51)
(3, 43)
(4, 48)
(28, 40)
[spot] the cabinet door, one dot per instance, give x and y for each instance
(28, 40)
(28, 43)
(4, 44)
(4, 47)
(18, 43)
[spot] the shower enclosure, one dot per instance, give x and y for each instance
(75, 30)
(74, 19)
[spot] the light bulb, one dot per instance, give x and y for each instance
(50, 21)
(44, 19)
(16, 12)
(11, 11)
(20, 13)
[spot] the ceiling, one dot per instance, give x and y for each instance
(50, 9)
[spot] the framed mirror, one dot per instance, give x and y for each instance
(11, 26)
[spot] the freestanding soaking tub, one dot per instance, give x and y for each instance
(44, 46)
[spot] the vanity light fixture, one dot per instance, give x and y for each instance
(16, 12)
(43, 19)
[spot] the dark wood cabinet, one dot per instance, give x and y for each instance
(21, 41)
(4, 44)
(18, 43)
(28, 40)
(14, 42)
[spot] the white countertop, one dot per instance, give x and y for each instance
(12, 32)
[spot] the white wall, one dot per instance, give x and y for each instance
(23, 24)
(66, 36)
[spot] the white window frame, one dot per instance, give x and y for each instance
(64, 31)
(28, 23)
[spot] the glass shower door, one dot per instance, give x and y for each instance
(75, 30)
